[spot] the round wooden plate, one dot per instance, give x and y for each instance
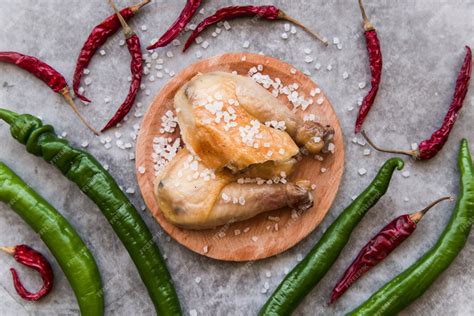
(259, 236)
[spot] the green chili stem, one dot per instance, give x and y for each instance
(8, 116)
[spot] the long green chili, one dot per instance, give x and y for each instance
(83, 169)
(414, 281)
(304, 277)
(67, 247)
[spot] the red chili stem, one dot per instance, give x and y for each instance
(375, 61)
(412, 153)
(283, 16)
(96, 39)
(35, 260)
(379, 247)
(50, 76)
(416, 217)
(430, 147)
(367, 25)
(268, 12)
(127, 31)
(183, 19)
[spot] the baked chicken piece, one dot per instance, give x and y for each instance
(222, 121)
(190, 195)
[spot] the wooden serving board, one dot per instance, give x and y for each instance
(261, 240)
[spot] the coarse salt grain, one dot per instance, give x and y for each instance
(141, 169)
(254, 238)
(366, 152)
(362, 85)
(362, 171)
(406, 174)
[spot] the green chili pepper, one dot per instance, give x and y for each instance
(67, 247)
(414, 281)
(304, 277)
(84, 170)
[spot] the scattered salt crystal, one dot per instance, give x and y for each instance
(130, 191)
(159, 74)
(293, 71)
(227, 25)
(335, 40)
(205, 44)
(287, 26)
(205, 249)
(88, 81)
(141, 169)
(102, 52)
(197, 280)
(176, 42)
(85, 144)
(81, 90)
(284, 36)
(293, 29)
(320, 101)
(406, 199)
(86, 71)
(339, 46)
(307, 51)
(121, 42)
(254, 238)
(246, 44)
(362, 85)
(317, 66)
(246, 230)
(345, 75)
(406, 174)
(237, 232)
(313, 187)
(362, 171)
(366, 152)
(144, 28)
(308, 59)
(329, 67)
(414, 146)
(286, 270)
(268, 274)
(169, 54)
(299, 257)
(193, 312)
(323, 170)
(198, 54)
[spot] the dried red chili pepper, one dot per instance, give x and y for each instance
(430, 147)
(375, 61)
(379, 247)
(96, 39)
(183, 19)
(267, 12)
(35, 260)
(47, 74)
(136, 67)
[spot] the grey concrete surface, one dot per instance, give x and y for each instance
(423, 47)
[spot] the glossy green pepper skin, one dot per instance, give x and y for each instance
(84, 170)
(67, 247)
(304, 277)
(414, 281)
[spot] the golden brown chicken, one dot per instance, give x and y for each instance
(222, 118)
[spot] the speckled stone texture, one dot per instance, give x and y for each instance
(423, 47)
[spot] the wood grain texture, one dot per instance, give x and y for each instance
(222, 243)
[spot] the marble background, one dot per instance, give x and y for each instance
(423, 47)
